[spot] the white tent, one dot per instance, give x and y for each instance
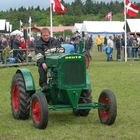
(103, 27)
(134, 25)
(2, 24)
(77, 27)
(5, 26)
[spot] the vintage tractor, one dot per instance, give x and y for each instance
(68, 88)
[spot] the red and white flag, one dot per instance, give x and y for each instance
(131, 9)
(108, 16)
(58, 8)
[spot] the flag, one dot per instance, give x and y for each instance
(108, 16)
(58, 8)
(131, 9)
(30, 20)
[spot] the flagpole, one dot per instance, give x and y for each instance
(30, 30)
(30, 26)
(111, 17)
(125, 20)
(51, 25)
(20, 24)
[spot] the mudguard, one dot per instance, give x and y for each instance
(28, 79)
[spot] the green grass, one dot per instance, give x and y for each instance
(122, 78)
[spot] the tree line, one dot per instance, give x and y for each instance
(77, 12)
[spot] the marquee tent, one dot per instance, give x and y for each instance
(134, 25)
(2, 24)
(103, 27)
(5, 26)
(77, 27)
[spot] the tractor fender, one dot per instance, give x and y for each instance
(28, 79)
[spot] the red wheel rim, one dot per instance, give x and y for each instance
(87, 61)
(15, 97)
(104, 114)
(36, 111)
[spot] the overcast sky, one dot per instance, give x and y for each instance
(7, 4)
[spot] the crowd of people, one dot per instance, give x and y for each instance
(117, 42)
(15, 49)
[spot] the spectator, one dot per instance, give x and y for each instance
(17, 54)
(5, 54)
(99, 43)
(134, 48)
(88, 46)
(109, 49)
(129, 45)
(118, 47)
(22, 43)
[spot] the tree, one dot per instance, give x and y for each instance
(78, 11)
(77, 7)
(88, 7)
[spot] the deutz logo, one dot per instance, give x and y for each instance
(73, 57)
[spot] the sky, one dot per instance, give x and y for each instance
(7, 4)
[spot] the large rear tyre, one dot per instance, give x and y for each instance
(85, 98)
(107, 115)
(20, 99)
(39, 111)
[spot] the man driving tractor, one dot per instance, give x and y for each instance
(44, 43)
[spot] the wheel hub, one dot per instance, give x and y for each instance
(36, 111)
(15, 97)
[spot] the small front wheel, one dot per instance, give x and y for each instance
(39, 111)
(107, 114)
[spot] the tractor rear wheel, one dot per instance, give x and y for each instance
(87, 60)
(108, 115)
(39, 111)
(85, 98)
(20, 99)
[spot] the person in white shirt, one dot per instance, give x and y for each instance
(109, 49)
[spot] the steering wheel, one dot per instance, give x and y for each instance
(60, 50)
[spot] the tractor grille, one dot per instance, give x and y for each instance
(73, 72)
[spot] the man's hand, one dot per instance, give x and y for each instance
(44, 66)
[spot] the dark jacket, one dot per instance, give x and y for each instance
(41, 46)
(118, 43)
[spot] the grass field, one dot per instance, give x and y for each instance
(122, 78)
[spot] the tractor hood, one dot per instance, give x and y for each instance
(54, 59)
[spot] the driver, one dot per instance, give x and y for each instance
(42, 44)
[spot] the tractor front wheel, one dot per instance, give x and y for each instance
(20, 99)
(39, 111)
(108, 113)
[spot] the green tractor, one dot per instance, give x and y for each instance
(68, 88)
